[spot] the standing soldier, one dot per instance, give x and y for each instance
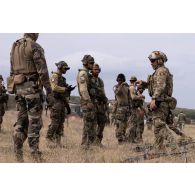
(61, 91)
(181, 120)
(134, 134)
(121, 108)
(101, 103)
(160, 87)
(3, 100)
(141, 112)
(29, 68)
(87, 103)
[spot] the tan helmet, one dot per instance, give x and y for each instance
(133, 78)
(88, 59)
(33, 36)
(157, 55)
(62, 64)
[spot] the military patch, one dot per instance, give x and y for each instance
(82, 79)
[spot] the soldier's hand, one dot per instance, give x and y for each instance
(153, 105)
(50, 100)
(90, 105)
(70, 88)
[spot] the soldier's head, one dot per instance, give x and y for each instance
(157, 59)
(62, 66)
(88, 61)
(96, 70)
(140, 89)
(120, 78)
(133, 79)
(33, 36)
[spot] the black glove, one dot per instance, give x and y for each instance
(50, 100)
(70, 88)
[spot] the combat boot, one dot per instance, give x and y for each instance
(50, 143)
(37, 157)
(19, 156)
(59, 142)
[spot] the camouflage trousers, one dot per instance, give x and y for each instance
(29, 123)
(89, 126)
(121, 118)
(57, 116)
(132, 126)
(161, 130)
(140, 124)
(101, 121)
(2, 112)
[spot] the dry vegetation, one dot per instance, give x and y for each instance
(113, 153)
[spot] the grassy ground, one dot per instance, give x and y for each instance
(113, 153)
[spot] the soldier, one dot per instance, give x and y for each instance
(29, 68)
(87, 103)
(61, 91)
(121, 108)
(3, 100)
(133, 132)
(181, 120)
(101, 103)
(141, 112)
(160, 87)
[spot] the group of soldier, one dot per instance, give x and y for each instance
(29, 74)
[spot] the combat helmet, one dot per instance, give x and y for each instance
(133, 78)
(88, 59)
(121, 76)
(62, 64)
(157, 55)
(1, 78)
(33, 36)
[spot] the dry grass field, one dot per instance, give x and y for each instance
(72, 153)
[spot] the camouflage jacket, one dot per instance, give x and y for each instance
(97, 92)
(157, 83)
(59, 87)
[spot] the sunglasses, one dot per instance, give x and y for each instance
(91, 63)
(152, 60)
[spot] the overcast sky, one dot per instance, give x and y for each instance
(117, 53)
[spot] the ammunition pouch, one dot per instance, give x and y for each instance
(19, 79)
(172, 102)
(10, 84)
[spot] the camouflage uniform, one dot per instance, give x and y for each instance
(100, 102)
(135, 124)
(160, 90)
(181, 120)
(57, 111)
(3, 99)
(141, 112)
(87, 104)
(122, 110)
(28, 65)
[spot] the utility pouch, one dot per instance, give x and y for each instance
(19, 79)
(10, 84)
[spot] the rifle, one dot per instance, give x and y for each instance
(150, 156)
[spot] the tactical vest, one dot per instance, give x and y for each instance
(169, 84)
(62, 83)
(22, 57)
(96, 91)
